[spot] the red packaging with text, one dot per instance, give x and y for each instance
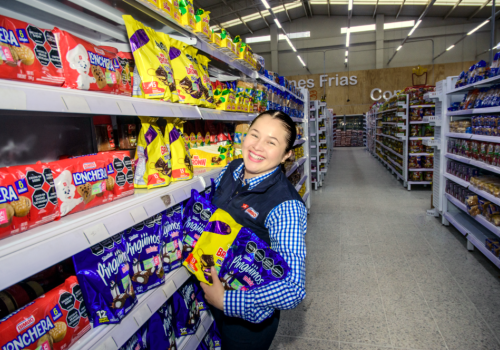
(28, 53)
(90, 67)
(120, 173)
(54, 321)
(27, 198)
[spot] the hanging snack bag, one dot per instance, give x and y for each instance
(104, 273)
(212, 340)
(126, 61)
(202, 305)
(29, 54)
(160, 333)
(250, 263)
(27, 198)
(142, 243)
(135, 342)
(54, 321)
(151, 60)
(191, 53)
(164, 44)
(197, 213)
(186, 77)
(120, 174)
(202, 27)
(152, 158)
(82, 183)
(171, 238)
(182, 168)
(87, 66)
(205, 80)
(185, 310)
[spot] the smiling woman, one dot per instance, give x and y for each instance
(257, 194)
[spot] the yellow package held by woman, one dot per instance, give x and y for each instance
(186, 75)
(205, 80)
(152, 158)
(150, 60)
(182, 167)
(202, 19)
(212, 246)
(187, 14)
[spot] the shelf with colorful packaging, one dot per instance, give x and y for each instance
(371, 127)
(319, 142)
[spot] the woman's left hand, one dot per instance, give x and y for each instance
(214, 294)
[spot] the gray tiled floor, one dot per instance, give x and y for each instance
(381, 274)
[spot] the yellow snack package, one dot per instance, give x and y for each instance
(186, 76)
(205, 80)
(187, 14)
(167, 6)
(202, 19)
(215, 40)
(150, 60)
(226, 43)
(211, 248)
(164, 43)
(182, 168)
(152, 158)
(236, 46)
(242, 54)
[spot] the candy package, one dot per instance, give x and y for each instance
(136, 342)
(171, 238)
(182, 167)
(186, 76)
(105, 277)
(29, 54)
(186, 314)
(211, 340)
(160, 329)
(202, 29)
(120, 174)
(205, 80)
(153, 167)
(142, 243)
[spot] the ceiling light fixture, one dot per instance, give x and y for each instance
(399, 48)
(479, 26)
(258, 39)
(395, 25)
(346, 53)
(277, 23)
(415, 27)
(346, 60)
(290, 43)
(349, 6)
(300, 59)
(451, 47)
(365, 28)
(347, 39)
(266, 5)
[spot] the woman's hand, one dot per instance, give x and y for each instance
(214, 294)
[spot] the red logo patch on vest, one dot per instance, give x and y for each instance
(252, 212)
(244, 206)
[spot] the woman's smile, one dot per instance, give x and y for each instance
(254, 157)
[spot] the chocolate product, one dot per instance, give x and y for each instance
(185, 310)
(171, 238)
(211, 340)
(160, 329)
(127, 136)
(120, 174)
(104, 133)
(136, 341)
(142, 243)
(200, 296)
(428, 176)
(104, 272)
(89, 67)
(27, 198)
(54, 321)
(182, 167)
(197, 213)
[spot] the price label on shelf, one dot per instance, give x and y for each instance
(176, 111)
(126, 107)
(76, 104)
(169, 289)
(142, 315)
(139, 214)
(12, 99)
(108, 344)
(96, 233)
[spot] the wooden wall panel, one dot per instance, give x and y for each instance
(388, 79)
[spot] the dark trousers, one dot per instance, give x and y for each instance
(238, 334)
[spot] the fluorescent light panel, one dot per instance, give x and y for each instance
(349, 6)
(346, 60)
(365, 28)
(346, 53)
(479, 26)
(258, 39)
(266, 5)
(451, 47)
(300, 59)
(295, 35)
(347, 39)
(399, 48)
(277, 23)
(291, 45)
(415, 27)
(395, 25)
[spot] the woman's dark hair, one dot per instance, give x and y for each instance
(289, 125)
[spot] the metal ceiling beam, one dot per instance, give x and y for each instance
(304, 7)
(310, 8)
(375, 11)
(286, 11)
(237, 14)
(479, 9)
(400, 8)
(452, 9)
(328, 8)
(263, 18)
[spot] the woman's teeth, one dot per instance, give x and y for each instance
(256, 156)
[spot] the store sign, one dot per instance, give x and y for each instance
(324, 78)
(376, 94)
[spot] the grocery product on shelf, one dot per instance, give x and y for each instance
(182, 166)
(186, 315)
(104, 133)
(212, 339)
(171, 236)
(55, 320)
(29, 54)
(478, 72)
(210, 143)
(487, 152)
(159, 332)
(417, 95)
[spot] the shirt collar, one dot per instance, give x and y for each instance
(239, 173)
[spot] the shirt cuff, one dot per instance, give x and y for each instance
(234, 303)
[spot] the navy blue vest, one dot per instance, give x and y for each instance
(250, 208)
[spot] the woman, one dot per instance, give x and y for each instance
(257, 194)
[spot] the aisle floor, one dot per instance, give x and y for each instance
(383, 275)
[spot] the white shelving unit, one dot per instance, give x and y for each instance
(320, 125)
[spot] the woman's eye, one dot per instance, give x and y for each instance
(272, 143)
(254, 135)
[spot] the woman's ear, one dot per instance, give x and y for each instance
(286, 156)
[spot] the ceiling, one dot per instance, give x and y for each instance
(231, 14)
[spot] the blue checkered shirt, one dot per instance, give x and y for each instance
(287, 225)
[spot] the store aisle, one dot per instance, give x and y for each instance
(381, 274)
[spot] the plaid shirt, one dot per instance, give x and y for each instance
(287, 225)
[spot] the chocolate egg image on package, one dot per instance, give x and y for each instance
(171, 238)
(142, 244)
(105, 274)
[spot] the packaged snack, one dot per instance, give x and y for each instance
(53, 321)
(171, 238)
(127, 136)
(250, 263)
(153, 167)
(202, 306)
(416, 176)
(428, 176)
(211, 340)
(160, 329)
(126, 61)
(428, 161)
(89, 67)
(82, 183)
(103, 128)
(171, 7)
(142, 242)
(105, 274)
(182, 167)
(120, 174)
(186, 10)
(197, 213)
(414, 162)
(29, 54)
(495, 66)
(27, 198)
(151, 56)
(135, 342)
(186, 75)
(429, 130)
(185, 310)
(202, 27)
(205, 80)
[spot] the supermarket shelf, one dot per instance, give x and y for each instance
(299, 120)
(312, 134)
(422, 138)
(300, 141)
(394, 170)
(473, 162)
(114, 336)
(484, 110)
(77, 232)
(306, 195)
(313, 158)
(474, 232)
(391, 150)
(387, 111)
(282, 88)
(473, 137)
(423, 106)
(429, 95)
(460, 112)
(322, 141)
(419, 122)
(420, 154)
(479, 218)
(482, 83)
(395, 163)
(420, 169)
(392, 137)
(301, 182)
(474, 189)
(295, 166)
(214, 114)
(457, 180)
(419, 182)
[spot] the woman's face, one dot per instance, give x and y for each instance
(264, 146)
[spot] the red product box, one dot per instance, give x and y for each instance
(121, 172)
(28, 53)
(27, 198)
(82, 183)
(54, 321)
(90, 67)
